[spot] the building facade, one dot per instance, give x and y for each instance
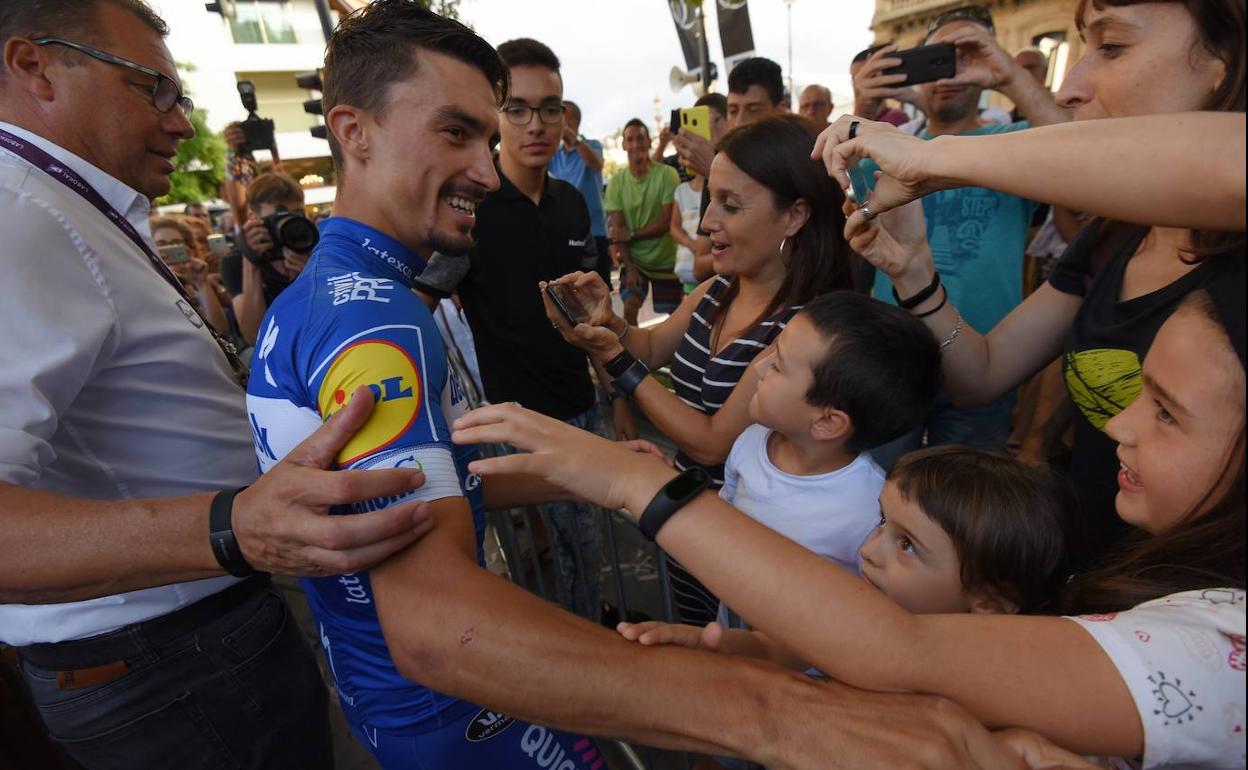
(1045, 24)
(266, 42)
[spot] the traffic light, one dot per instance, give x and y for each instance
(312, 82)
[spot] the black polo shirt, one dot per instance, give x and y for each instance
(518, 244)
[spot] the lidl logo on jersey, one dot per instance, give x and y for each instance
(389, 373)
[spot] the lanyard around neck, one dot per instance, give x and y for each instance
(68, 177)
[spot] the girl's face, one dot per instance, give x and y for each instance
(1175, 439)
(1142, 59)
(912, 560)
(745, 226)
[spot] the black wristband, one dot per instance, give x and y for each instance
(944, 300)
(619, 364)
(221, 534)
(921, 297)
(690, 483)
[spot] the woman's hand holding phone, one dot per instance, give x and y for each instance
(595, 335)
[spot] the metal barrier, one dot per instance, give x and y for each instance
(506, 553)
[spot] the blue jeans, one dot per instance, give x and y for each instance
(240, 691)
(576, 540)
(982, 427)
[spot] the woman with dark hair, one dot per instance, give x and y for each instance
(1151, 671)
(1117, 283)
(775, 225)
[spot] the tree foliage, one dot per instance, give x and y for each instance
(199, 165)
(447, 8)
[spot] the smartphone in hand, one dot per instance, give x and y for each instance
(174, 254)
(568, 302)
(926, 63)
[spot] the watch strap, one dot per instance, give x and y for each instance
(674, 495)
(221, 534)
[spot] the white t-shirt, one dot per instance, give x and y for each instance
(111, 388)
(831, 514)
(1182, 657)
(689, 203)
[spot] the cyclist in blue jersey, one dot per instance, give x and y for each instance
(411, 102)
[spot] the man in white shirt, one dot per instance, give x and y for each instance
(120, 417)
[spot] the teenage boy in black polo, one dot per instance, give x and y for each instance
(536, 228)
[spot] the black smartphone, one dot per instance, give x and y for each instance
(569, 304)
(926, 63)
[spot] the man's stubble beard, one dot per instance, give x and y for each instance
(450, 245)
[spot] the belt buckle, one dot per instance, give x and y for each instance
(89, 677)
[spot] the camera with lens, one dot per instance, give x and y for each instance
(288, 229)
(259, 131)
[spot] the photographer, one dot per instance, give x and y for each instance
(276, 241)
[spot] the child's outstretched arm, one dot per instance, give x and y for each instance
(714, 637)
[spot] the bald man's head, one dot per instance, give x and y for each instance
(815, 103)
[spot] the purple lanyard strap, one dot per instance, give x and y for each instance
(55, 169)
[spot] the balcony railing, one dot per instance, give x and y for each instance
(890, 10)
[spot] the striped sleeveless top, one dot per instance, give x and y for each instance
(703, 381)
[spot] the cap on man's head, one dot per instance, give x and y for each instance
(978, 14)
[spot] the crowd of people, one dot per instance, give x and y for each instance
(956, 397)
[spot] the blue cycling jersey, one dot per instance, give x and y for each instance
(351, 319)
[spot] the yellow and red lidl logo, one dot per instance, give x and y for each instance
(389, 373)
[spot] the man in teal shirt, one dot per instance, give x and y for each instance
(977, 236)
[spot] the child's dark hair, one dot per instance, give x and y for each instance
(881, 366)
(1012, 524)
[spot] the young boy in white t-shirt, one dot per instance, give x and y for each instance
(846, 374)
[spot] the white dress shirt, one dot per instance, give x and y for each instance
(111, 388)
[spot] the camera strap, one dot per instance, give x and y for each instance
(57, 170)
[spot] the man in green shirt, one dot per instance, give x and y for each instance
(639, 215)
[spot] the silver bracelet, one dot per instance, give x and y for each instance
(953, 335)
(624, 333)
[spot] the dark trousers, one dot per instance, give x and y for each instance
(228, 682)
(604, 259)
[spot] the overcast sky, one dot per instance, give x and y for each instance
(616, 54)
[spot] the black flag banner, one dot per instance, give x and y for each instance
(735, 35)
(685, 15)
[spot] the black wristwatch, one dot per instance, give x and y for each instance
(674, 495)
(221, 534)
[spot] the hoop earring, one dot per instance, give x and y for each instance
(783, 241)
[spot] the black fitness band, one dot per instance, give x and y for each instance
(221, 534)
(674, 495)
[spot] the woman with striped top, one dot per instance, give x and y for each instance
(775, 225)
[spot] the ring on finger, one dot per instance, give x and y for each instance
(853, 128)
(867, 213)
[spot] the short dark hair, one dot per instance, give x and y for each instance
(272, 188)
(1012, 524)
(68, 18)
(865, 53)
(527, 52)
(757, 71)
(376, 47)
(717, 102)
(573, 108)
(881, 366)
(636, 123)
